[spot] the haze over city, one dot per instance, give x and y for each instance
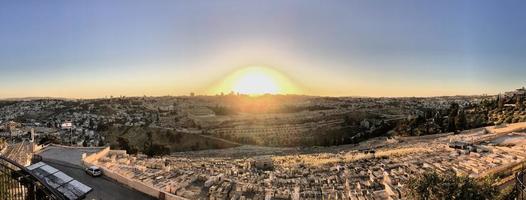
(343, 48)
(263, 100)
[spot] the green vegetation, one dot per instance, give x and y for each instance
(508, 193)
(255, 108)
(124, 144)
(151, 149)
(222, 110)
(432, 185)
(158, 141)
(453, 119)
(49, 139)
(156, 150)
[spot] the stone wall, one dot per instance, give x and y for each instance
(89, 160)
(135, 184)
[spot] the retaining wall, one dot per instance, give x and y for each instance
(91, 160)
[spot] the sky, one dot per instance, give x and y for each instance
(100, 48)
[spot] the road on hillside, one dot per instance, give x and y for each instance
(103, 187)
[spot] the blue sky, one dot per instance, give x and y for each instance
(366, 48)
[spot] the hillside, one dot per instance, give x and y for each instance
(137, 138)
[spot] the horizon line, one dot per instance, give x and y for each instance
(217, 95)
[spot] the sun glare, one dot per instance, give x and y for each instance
(256, 81)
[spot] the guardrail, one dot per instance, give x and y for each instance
(16, 182)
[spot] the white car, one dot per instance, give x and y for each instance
(94, 171)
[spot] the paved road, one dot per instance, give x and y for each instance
(67, 160)
(66, 154)
(103, 188)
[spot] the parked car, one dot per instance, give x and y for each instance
(94, 171)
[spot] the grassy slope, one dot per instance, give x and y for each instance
(173, 140)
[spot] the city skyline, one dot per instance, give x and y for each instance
(342, 48)
(262, 100)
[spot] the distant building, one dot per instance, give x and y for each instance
(262, 163)
(200, 112)
(192, 94)
(521, 93)
(66, 125)
(11, 126)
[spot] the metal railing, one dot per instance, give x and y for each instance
(18, 183)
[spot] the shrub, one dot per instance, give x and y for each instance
(432, 185)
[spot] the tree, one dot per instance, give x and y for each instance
(453, 111)
(124, 144)
(500, 102)
(461, 121)
(432, 185)
(149, 140)
(101, 142)
(91, 123)
(518, 102)
(156, 150)
(132, 150)
(49, 139)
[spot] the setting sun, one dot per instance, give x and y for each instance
(256, 81)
